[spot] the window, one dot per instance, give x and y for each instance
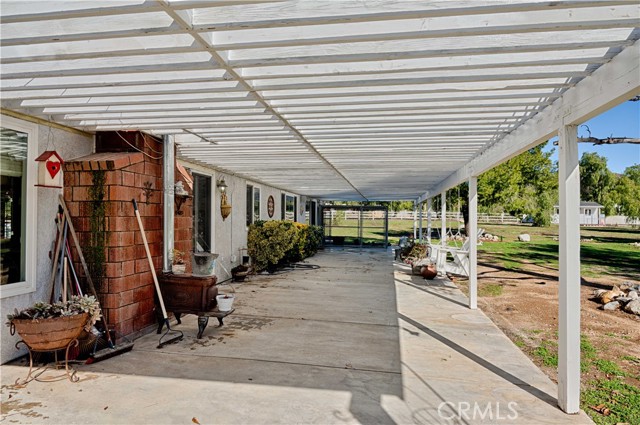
(587, 211)
(313, 212)
(249, 204)
(17, 207)
(256, 203)
(289, 207)
(201, 213)
(253, 204)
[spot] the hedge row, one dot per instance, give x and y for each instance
(275, 243)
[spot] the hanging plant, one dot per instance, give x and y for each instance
(96, 251)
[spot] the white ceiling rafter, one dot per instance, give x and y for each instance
(377, 100)
(180, 17)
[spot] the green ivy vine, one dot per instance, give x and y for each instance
(98, 233)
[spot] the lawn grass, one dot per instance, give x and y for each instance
(490, 290)
(608, 367)
(622, 400)
(609, 399)
(373, 230)
(548, 353)
(607, 251)
(604, 251)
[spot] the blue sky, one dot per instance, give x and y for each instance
(621, 121)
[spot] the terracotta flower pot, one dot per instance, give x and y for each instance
(428, 272)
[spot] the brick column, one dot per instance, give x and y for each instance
(127, 291)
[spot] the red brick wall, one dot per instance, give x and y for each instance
(183, 223)
(127, 294)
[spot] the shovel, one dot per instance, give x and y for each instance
(176, 335)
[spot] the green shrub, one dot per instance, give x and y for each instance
(268, 242)
(296, 252)
(275, 243)
(314, 240)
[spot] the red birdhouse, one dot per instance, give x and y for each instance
(50, 169)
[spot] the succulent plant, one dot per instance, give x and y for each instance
(75, 305)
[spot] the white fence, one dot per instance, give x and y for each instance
(408, 215)
(457, 216)
(620, 220)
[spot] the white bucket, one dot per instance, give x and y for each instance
(225, 301)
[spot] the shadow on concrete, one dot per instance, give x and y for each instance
(366, 386)
(541, 395)
(424, 288)
(428, 415)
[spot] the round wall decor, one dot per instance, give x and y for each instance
(271, 206)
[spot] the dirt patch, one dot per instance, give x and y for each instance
(527, 311)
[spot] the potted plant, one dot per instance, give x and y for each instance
(177, 262)
(45, 327)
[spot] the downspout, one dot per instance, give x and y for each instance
(168, 183)
(420, 221)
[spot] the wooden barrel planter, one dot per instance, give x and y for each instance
(50, 334)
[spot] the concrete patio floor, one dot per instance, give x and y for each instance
(357, 340)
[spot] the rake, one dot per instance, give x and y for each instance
(176, 335)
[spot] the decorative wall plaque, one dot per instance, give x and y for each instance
(271, 206)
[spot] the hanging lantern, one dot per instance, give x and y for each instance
(225, 206)
(50, 169)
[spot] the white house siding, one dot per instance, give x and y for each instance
(231, 234)
(265, 192)
(591, 219)
(68, 145)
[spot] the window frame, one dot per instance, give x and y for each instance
(31, 207)
(285, 199)
(211, 204)
(249, 205)
(256, 190)
(250, 210)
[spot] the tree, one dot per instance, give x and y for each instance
(627, 193)
(399, 205)
(526, 184)
(597, 183)
(633, 173)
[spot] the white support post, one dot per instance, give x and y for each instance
(168, 182)
(415, 221)
(429, 220)
(473, 243)
(569, 288)
(420, 221)
(443, 218)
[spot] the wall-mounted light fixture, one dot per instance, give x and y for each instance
(222, 185)
(225, 206)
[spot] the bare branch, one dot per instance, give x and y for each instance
(608, 140)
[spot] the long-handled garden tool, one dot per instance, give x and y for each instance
(111, 349)
(173, 337)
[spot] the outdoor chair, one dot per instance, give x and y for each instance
(460, 263)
